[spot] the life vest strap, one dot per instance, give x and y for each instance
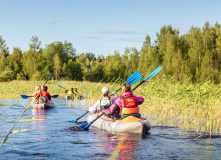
(135, 115)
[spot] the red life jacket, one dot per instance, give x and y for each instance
(129, 101)
(129, 105)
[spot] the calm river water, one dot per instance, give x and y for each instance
(48, 137)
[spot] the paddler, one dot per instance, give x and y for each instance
(104, 102)
(126, 104)
(37, 93)
(45, 96)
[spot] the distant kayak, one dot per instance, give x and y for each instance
(43, 106)
(73, 97)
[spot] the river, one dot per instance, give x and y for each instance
(47, 136)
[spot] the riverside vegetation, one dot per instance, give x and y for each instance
(193, 107)
(188, 96)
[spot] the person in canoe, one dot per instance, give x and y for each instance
(70, 93)
(75, 92)
(104, 102)
(45, 97)
(125, 105)
(37, 93)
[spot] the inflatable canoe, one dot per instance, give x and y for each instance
(72, 97)
(130, 124)
(42, 106)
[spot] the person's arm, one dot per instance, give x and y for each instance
(114, 99)
(94, 107)
(49, 96)
(139, 99)
(113, 108)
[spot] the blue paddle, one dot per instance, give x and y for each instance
(61, 86)
(86, 126)
(134, 78)
(25, 96)
(131, 80)
(149, 76)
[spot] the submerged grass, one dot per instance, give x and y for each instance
(193, 107)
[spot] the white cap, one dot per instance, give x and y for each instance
(105, 90)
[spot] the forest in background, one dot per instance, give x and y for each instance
(193, 57)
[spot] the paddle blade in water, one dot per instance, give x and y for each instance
(18, 131)
(85, 126)
(73, 121)
(134, 78)
(26, 120)
(76, 128)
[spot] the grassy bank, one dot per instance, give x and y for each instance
(13, 89)
(193, 107)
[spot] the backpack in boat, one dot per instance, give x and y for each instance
(105, 103)
(43, 100)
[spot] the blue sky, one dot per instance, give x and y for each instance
(100, 26)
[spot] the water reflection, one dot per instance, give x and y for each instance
(51, 138)
(121, 145)
(40, 123)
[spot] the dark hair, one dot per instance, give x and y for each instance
(45, 88)
(105, 94)
(125, 88)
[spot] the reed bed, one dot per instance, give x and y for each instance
(192, 107)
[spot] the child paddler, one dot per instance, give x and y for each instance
(126, 104)
(104, 102)
(37, 93)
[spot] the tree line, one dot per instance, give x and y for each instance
(194, 57)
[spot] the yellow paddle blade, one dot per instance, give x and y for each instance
(46, 117)
(26, 120)
(18, 131)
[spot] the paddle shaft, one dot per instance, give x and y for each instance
(97, 118)
(134, 78)
(138, 85)
(82, 115)
(53, 96)
(148, 77)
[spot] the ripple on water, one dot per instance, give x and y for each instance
(52, 138)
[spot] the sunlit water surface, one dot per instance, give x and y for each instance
(48, 137)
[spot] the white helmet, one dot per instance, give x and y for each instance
(105, 90)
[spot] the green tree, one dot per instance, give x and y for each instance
(4, 53)
(57, 66)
